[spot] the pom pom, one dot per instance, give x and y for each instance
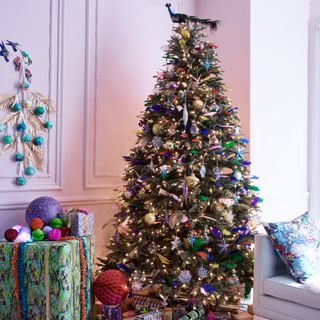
(46, 230)
(65, 232)
(36, 223)
(27, 104)
(25, 85)
(111, 287)
(16, 107)
(37, 235)
(3, 127)
(29, 171)
(21, 127)
(21, 181)
(19, 157)
(48, 124)
(184, 276)
(11, 235)
(7, 139)
(38, 111)
(45, 208)
(56, 223)
(26, 138)
(38, 141)
(54, 235)
(24, 235)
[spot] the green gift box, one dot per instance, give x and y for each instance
(47, 279)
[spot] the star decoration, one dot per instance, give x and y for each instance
(136, 285)
(202, 272)
(223, 246)
(175, 243)
(239, 153)
(192, 240)
(151, 166)
(207, 65)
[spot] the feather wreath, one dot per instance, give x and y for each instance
(25, 118)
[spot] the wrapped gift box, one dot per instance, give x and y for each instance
(79, 221)
(47, 279)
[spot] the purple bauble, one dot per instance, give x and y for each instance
(45, 208)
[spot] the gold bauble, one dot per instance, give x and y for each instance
(197, 104)
(157, 129)
(169, 145)
(182, 42)
(149, 218)
(185, 33)
(192, 181)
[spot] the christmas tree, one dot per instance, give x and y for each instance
(186, 221)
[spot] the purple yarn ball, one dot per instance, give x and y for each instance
(45, 208)
(46, 230)
(54, 235)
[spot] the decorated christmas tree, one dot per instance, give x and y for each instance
(187, 212)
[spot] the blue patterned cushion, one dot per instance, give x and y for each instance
(297, 243)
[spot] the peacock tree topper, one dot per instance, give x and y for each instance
(187, 217)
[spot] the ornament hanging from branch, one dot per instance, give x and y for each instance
(26, 118)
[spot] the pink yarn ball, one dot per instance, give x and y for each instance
(54, 235)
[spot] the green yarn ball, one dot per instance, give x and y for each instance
(7, 139)
(16, 107)
(29, 171)
(37, 235)
(48, 124)
(38, 111)
(21, 181)
(56, 223)
(38, 141)
(26, 138)
(19, 157)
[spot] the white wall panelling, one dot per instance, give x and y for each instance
(51, 55)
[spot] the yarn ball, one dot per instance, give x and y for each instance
(46, 230)
(38, 111)
(149, 218)
(11, 235)
(26, 138)
(65, 232)
(21, 181)
(37, 235)
(48, 124)
(111, 287)
(56, 223)
(21, 126)
(7, 139)
(16, 107)
(29, 171)
(38, 141)
(24, 235)
(45, 208)
(19, 157)
(36, 223)
(54, 235)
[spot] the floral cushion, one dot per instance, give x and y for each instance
(297, 243)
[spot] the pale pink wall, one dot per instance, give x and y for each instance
(233, 38)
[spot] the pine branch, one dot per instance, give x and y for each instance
(10, 119)
(34, 156)
(8, 148)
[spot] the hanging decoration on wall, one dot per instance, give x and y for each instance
(26, 117)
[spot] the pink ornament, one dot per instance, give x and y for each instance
(54, 235)
(111, 287)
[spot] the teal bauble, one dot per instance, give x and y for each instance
(38, 141)
(48, 124)
(26, 138)
(16, 107)
(29, 171)
(21, 181)
(25, 84)
(19, 157)
(38, 111)
(21, 127)
(7, 139)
